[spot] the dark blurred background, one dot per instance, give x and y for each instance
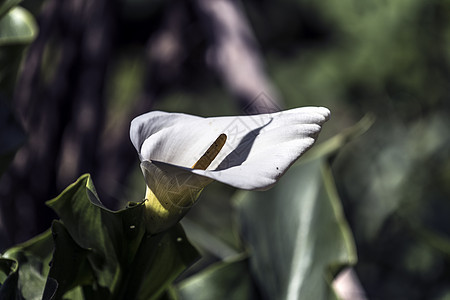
(97, 64)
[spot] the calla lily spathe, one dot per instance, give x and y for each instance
(258, 150)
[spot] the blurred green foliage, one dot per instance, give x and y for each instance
(17, 30)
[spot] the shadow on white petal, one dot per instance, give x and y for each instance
(241, 152)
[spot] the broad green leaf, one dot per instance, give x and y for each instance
(97, 253)
(7, 267)
(9, 279)
(32, 258)
(112, 238)
(31, 281)
(296, 233)
(161, 258)
(126, 262)
(40, 247)
(75, 294)
(224, 280)
(69, 267)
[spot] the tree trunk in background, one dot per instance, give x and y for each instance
(59, 100)
(235, 56)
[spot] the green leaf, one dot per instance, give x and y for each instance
(223, 280)
(69, 265)
(125, 261)
(7, 267)
(31, 281)
(112, 238)
(161, 258)
(77, 294)
(9, 279)
(17, 27)
(40, 247)
(6, 5)
(32, 258)
(97, 253)
(296, 234)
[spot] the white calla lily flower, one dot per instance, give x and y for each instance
(180, 154)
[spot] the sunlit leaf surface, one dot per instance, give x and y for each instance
(296, 233)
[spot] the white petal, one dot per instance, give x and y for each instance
(258, 150)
